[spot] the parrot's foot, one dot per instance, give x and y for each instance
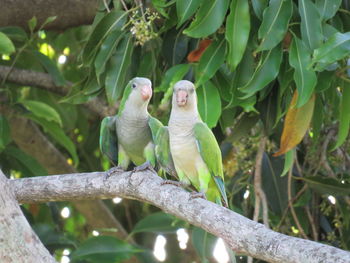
(113, 170)
(198, 195)
(146, 165)
(176, 183)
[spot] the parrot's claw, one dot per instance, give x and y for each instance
(176, 183)
(113, 170)
(198, 195)
(146, 165)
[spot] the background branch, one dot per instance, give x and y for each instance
(240, 233)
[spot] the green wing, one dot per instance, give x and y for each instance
(211, 154)
(154, 125)
(164, 158)
(109, 139)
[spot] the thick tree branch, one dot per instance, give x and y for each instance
(45, 81)
(241, 234)
(18, 242)
(70, 13)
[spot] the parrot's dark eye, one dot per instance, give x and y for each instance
(191, 91)
(133, 85)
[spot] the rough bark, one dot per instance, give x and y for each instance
(45, 81)
(30, 139)
(241, 234)
(18, 242)
(69, 13)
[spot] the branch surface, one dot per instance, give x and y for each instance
(70, 13)
(241, 234)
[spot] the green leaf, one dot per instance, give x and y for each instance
(259, 7)
(159, 222)
(211, 60)
(104, 249)
(209, 104)
(237, 32)
(29, 162)
(266, 71)
(117, 69)
(185, 9)
(335, 48)
(208, 19)
(106, 50)
(328, 8)
(5, 133)
(344, 119)
(326, 185)
(317, 118)
(311, 26)
(173, 75)
(305, 79)
(58, 135)
(288, 162)
(32, 23)
(14, 33)
(324, 80)
(109, 23)
(51, 68)
(42, 110)
(275, 23)
(6, 45)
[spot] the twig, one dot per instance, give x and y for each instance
(259, 192)
(106, 6)
(296, 220)
(124, 5)
(312, 223)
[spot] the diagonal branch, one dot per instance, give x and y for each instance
(45, 81)
(241, 234)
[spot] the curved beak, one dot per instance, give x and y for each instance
(181, 98)
(146, 92)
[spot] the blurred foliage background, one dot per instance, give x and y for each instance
(272, 77)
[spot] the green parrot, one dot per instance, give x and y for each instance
(129, 136)
(193, 146)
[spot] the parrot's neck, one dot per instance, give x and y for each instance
(181, 122)
(135, 115)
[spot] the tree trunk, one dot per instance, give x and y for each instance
(18, 242)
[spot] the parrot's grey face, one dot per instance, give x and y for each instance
(141, 90)
(184, 94)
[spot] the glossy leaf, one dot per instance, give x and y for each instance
(195, 55)
(326, 185)
(296, 124)
(111, 22)
(51, 68)
(173, 75)
(328, 8)
(106, 50)
(6, 45)
(259, 7)
(185, 9)
(211, 61)
(305, 79)
(117, 69)
(203, 243)
(288, 162)
(275, 23)
(28, 161)
(159, 222)
(335, 48)
(14, 33)
(58, 135)
(209, 104)
(237, 32)
(42, 110)
(5, 133)
(311, 29)
(344, 119)
(208, 19)
(32, 23)
(266, 71)
(104, 249)
(175, 47)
